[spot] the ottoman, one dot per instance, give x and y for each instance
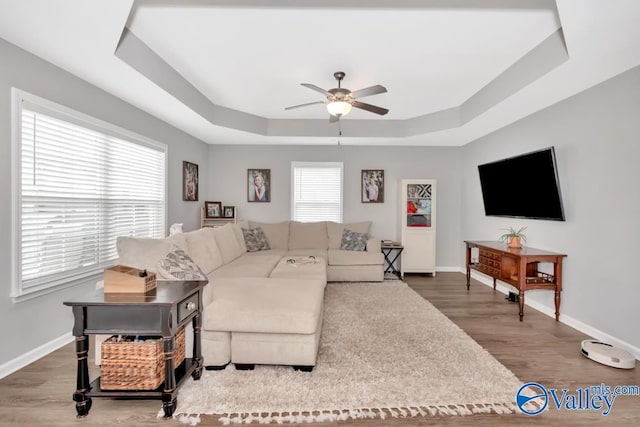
(274, 321)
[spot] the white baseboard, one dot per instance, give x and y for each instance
(567, 320)
(35, 354)
(448, 269)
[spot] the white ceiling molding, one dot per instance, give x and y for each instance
(543, 58)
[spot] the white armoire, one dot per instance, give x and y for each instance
(418, 226)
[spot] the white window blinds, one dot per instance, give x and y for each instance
(78, 190)
(316, 191)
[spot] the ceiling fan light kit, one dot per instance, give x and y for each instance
(340, 100)
(339, 108)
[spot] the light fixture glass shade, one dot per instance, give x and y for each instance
(338, 108)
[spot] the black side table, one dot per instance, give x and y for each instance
(389, 250)
(161, 313)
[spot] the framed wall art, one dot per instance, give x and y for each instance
(189, 181)
(372, 186)
(213, 209)
(259, 185)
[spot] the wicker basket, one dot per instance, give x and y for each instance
(179, 352)
(129, 365)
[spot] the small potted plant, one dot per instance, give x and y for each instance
(513, 237)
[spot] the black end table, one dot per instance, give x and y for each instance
(161, 312)
(390, 249)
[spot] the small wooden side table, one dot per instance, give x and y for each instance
(390, 249)
(160, 313)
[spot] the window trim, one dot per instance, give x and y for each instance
(18, 99)
(299, 164)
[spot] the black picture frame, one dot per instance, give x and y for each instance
(189, 182)
(372, 186)
(229, 211)
(213, 209)
(259, 185)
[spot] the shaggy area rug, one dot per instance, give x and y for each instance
(384, 352)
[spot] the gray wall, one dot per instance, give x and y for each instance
(32, 323)
(228, 166)
(596, 135)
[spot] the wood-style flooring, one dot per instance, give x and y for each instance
(537, 349)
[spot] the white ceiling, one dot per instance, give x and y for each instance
(250, 56)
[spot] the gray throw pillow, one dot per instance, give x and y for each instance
(255, 239)
(177, 265)
(352, 241)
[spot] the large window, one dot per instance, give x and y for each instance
(316, 191)
(79, 183)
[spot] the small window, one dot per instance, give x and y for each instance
(316, 193)
(79, 183)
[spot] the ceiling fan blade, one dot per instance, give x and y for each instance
(369, 107)
(304, 105)
(368, 91)
(333, 119)
(316, 88)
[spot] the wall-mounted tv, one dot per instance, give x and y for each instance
(524, 186)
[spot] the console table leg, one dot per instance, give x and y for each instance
(494, 283)
(468, 266)
(83, 403)
(521, 304)
(557, 301)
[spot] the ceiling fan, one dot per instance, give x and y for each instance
(340, 100)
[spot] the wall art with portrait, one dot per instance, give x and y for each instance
(259, 185)
(213, 209)
(189, 181)
(372, 186)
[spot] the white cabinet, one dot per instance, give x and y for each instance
(418, 225)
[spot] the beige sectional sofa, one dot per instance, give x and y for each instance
(263, 307)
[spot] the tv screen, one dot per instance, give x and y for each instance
(525, 186)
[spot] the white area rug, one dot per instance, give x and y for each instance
(385, 351)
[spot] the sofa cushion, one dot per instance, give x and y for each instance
(278, 252)
(247, 266)
(227, 242)
(237, 230)
(248, 271)
(203, 249)
(352, 241)
(255, 239)
(341, 257)
(305, 235)
(265, 305)
(177, 265)
(301, 267)
(318, 253)
(277, 233)
(335, 229)
(144, 253)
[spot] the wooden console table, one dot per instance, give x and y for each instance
(161, 313)
(518, 268)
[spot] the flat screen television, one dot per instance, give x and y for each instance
(524, 186)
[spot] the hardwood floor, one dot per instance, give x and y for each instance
(538, 349)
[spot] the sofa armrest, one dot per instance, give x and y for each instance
(374, 245)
